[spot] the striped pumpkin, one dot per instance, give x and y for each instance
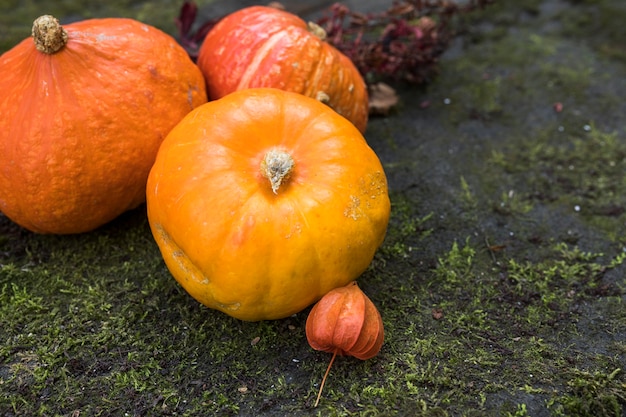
(261, 46)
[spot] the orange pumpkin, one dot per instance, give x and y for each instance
(261, 46)
(264, 200)
(84, 109)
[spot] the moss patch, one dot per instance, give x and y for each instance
(584, 172)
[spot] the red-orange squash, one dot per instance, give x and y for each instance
(264, 200)
(261, 46)
(84, 108)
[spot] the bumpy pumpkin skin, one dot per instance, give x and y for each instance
(261, 46)
(233, 243)
(80, 128)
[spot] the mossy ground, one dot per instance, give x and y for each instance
(501, 282)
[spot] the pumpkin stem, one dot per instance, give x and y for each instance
(48, 34)
(319, 394)
(276, 167)
(316, 30)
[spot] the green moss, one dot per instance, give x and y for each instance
(521, 411)
(405, 228)
(467, 330)
(461, 350)
(585, 172)
(599, 23)
(593, 394)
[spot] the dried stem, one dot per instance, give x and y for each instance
(48, 34)
(277, 167)
(319, 394)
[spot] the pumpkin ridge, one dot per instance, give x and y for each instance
(259, 56)
(318, 257)
(315, 75)
(335, 83)
(309, 53)
(250, 130)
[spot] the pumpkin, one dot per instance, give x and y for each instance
(264, 200)
(345, 322)
(262, 46)
(84, 109)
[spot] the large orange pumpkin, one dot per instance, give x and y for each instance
(84, 109)
(264, 200)
(261, 46)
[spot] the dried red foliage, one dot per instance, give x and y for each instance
(189, 40)
(403, 42)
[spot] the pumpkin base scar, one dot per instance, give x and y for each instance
(228, 307)
(180, 258)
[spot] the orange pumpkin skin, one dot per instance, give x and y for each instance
(346, 322)
(237, 245)
(80, 127)
(261, 46)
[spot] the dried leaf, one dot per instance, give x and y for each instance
(382, 98)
